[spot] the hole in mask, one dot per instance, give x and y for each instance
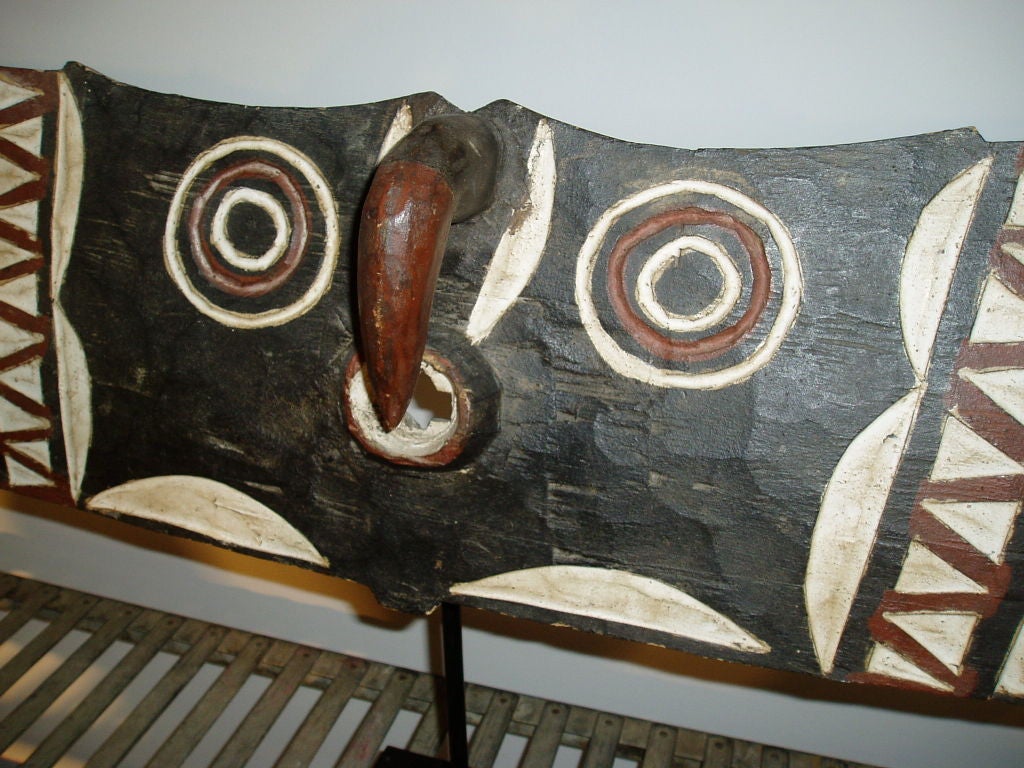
(429, 403)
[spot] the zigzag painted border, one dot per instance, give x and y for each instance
(954, 575)
(27, 99)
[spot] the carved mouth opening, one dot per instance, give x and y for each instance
(431, 403)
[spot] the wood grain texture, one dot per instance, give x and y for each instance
(594, 448)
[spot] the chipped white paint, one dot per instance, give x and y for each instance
(401, 124)
(946, 635)
(930, 260)
(668, 256)
(885, 661)
(408, 440)
(925, 573)
(1000, 317)
(28, 135)
(208, 508)
(11, 93)
(963, 453)
(173, 259)
(1011, 677)
(519, 251)
(1016, 215)
(632, 366)
(985, 525)
(73, 380)
(1005, 386)
(221, 240)
(618, 596)
(847, 524)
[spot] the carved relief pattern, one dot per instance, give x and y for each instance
(221, 278)
(26, 422)
(714, 346)
(954, 575)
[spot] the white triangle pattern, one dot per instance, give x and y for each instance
(925, 573)
(19, 475)
(26, 379)
(22, 292)
(11, 254)
(25, 216)
(13, 419)
(13, 175)
(1000, 315)
(37, 449)
(986, 525)
(11, 94)
(946, 635)
(963, 453)
(885, 661)
(1005, 386)
(27, 135)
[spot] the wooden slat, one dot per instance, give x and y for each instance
(746, 754)
(8, 584)
(40, 699)
(774, 758)
(42, 643)
(543, 746)
(306, 742)
(487, 738)
(600, 752)
(121, 741)
(691, 745)
(158, 628)
(660, 747)
(193, 728)
(365, 743)
(35, 597)
(719, 753)
(429, 733)
(247, 737)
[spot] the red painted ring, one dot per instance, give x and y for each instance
(682, 350)
(222, 276)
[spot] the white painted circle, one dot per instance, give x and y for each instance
(408, 440)
(174, 262)
(221, 240)
(632, 366)
(664, 259)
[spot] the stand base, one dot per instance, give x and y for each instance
(393, 757)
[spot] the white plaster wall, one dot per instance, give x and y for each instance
(685, 74)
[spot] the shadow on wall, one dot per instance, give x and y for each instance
(361, 603)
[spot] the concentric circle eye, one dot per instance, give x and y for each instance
(690, 268)
(252, 236)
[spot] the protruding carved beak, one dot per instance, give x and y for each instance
(442, 173)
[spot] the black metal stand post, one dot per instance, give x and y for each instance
(454, 699)
(454, 684)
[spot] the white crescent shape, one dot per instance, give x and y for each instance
(73, 380)
(851, 509)
(618, 596)
(209, 508)
(518, 253)
(930, 259)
